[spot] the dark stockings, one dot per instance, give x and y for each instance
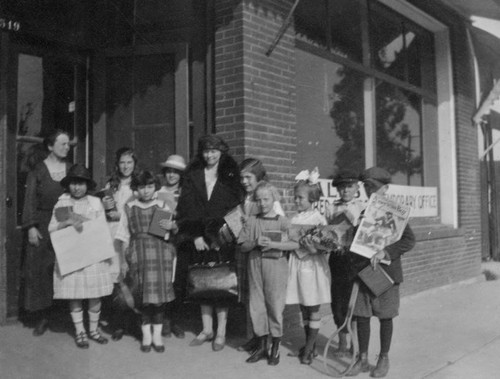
(386, 327)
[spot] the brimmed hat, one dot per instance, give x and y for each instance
(376, 175)
(211, 141)
(175, 161)
(80, 172)
(345, 177)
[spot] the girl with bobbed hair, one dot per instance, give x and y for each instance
(150, 258)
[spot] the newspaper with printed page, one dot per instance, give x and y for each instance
(383, 224)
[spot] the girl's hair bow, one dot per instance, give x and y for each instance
(311, 177)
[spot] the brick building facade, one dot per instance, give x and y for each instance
(221, 78)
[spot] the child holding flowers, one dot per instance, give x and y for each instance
(309, 274)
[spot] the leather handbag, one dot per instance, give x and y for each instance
(212, 281)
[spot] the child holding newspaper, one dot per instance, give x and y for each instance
(91, 282)
(386, 306)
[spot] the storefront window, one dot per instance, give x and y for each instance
(330, 115)
(350, 117)
(333, 25)
(399, 134)
(401, 48)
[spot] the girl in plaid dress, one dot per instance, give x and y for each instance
(150, 258)
(91, 282)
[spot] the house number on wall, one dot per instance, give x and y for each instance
(9, 24)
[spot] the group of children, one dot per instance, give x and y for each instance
(282, 269)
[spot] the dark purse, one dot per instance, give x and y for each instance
(212, 281)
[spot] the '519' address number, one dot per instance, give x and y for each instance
(9, 24)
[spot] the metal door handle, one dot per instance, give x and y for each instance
(8, 202)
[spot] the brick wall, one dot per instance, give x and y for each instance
(255, 94)
(455, 256)
(255, 112)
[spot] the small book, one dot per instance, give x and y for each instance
(274, 235)
(154, 227)
(378, 281)
(63, 213)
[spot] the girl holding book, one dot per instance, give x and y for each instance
(117, 193)
(91, 282)
(172, 171)
(252, 171)
(150, 257)
(264, 239)
(309, 274)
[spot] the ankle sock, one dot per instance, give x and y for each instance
(77, 317)
(146, 334)
(93, 320)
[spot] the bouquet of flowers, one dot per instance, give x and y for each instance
(322, 238)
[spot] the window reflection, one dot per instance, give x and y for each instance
(330, 128)
(334, 25)
(399, 133)
(401, 48)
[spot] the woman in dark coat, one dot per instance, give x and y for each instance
(211, 188)
(42, 191)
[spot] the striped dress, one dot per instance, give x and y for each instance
(93, 281)
(150, 258)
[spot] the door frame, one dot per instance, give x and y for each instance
(181, 93)
(11, 250)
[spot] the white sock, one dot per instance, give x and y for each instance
(77, 318)
(146, 334)
(157, 340)
(93, 320)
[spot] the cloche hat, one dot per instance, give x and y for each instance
(79, 172)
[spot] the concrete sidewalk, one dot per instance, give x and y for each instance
(451, 332)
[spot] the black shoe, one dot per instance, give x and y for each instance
(260, 352)
(41, 327)
(274, 357)
(145, 348)
(158, 349)
(94, 335)
(177, 331)
(117, 334)
(307, 357)
(81, 340)
(166, 331)
(250, 345)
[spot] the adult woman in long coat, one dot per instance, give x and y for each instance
(210, 190)
(42, 191)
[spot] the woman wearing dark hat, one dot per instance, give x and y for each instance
(42, 190)
(348, 209)
(211, 188)
(91, 282)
